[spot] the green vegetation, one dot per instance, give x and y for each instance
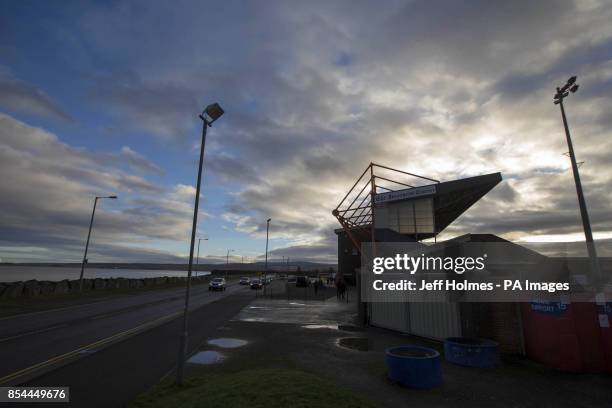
(24, 304)
(265, 388)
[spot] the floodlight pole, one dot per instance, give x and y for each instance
(184, 335)
(586, 223)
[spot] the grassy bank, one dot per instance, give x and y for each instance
(9, 307)
(256, 388)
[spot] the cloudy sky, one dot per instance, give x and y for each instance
(102, 98)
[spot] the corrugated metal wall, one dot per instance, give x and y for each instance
(431, 320)
(435, 320)
(392, 316)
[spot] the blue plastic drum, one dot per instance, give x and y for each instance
(414, 366)
(471, 352)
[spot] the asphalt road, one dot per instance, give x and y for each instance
(109, 351)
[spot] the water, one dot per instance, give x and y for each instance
(10, 273)
(225, 342)
(321, 326)
(206, 357)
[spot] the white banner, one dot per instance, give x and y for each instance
(405, 194)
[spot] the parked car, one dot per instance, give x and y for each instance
(302, 282)
(291, 280)
(256, 284)
(217, 284)
(245, 280)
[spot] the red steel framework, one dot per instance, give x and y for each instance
(357, 217)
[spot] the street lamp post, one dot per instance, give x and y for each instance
(267, 236)
(562, 93)
(209, 116)
(227, 261)
(113, 197)
(266, 266)
(227, 256)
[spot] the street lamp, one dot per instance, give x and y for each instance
(112, 197)
(227, 256)
(210, 114)
(227, 261)
(562, 93)
(267, 236)
(198, 256)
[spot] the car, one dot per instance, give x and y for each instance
(256, 284)
(302, 282)
(217, 284)
(245, 280)
(291, 279)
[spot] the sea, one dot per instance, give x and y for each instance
(11, 273)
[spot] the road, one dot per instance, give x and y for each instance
(111, 350)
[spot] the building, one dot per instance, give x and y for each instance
(571, 336)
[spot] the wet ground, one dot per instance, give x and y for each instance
(320, 336)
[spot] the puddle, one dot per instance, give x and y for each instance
(300, 313)
(206, 357)
(226, 342)
(321, 326)
(354, 343)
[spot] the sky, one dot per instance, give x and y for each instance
(103, 97)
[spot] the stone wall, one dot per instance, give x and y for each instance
(35, 288)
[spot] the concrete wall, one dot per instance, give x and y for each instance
(34, 288)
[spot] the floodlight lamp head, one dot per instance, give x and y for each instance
(572, 80)
(574, 88)
(211, 113)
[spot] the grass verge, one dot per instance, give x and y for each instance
(10, 307)
(255, 388)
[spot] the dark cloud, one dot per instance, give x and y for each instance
(313, 92)
(163, 108)
(139, 162)
(22, 97)
(48, 189)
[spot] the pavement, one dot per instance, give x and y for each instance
(310, 336)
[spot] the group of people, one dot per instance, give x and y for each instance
(339, 283)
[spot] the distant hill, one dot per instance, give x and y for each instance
(278, 266)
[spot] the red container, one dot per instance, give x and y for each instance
(605, 321)
(564, 336)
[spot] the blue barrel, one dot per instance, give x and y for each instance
(471, 352)
(414, 366)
